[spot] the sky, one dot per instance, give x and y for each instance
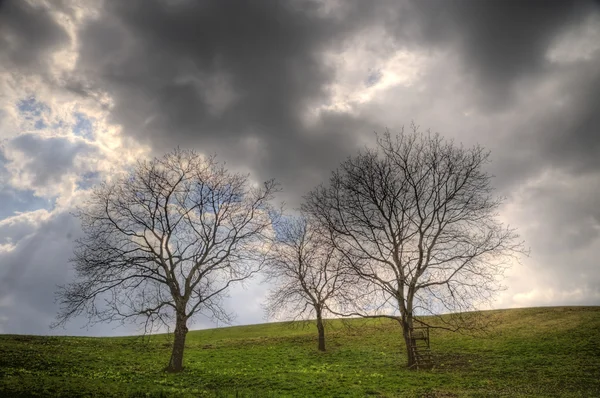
(287, 90)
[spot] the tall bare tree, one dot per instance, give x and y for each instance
(416, 219)
(165, 241)
(306, 271)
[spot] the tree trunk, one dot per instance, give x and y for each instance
(176, 362)
(406, 323)
(321, 329)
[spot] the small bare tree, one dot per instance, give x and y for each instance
(164, 242)
(416, 220)
(306, 271)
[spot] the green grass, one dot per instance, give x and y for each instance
(541, 352)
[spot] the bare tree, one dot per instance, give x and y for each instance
(164, 242)
(307, 273)
(416, 219)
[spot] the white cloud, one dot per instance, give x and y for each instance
(364, 71)
(17, 227)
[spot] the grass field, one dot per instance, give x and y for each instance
(534, 352)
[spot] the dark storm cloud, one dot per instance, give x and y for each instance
(28, 35)
(220, 75)
(573, 139)
(216, 75)
(560, 131)
(501, 51)
(504, 46)
(500, 41)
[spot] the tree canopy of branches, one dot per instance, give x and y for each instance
(306, 271)
(164, 242)
(416, 220)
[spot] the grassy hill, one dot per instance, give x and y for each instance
(532, 352)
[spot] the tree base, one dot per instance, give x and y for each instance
(169, 369)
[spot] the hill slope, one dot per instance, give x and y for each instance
(532, 352)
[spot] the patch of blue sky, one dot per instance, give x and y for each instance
(40, 125)
(278, 222)
(20, 201)
(373, 77)
(83, 126)
(88, 180)
(31, 108)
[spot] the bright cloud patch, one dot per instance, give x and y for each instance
(364, 74)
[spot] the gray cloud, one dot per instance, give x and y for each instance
(28, 35)
(222, 76)
(31, 271)
(501, 41)
(572, 136)
(14, 200)
(49, 158)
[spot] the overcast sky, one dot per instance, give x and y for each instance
(288, 89)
